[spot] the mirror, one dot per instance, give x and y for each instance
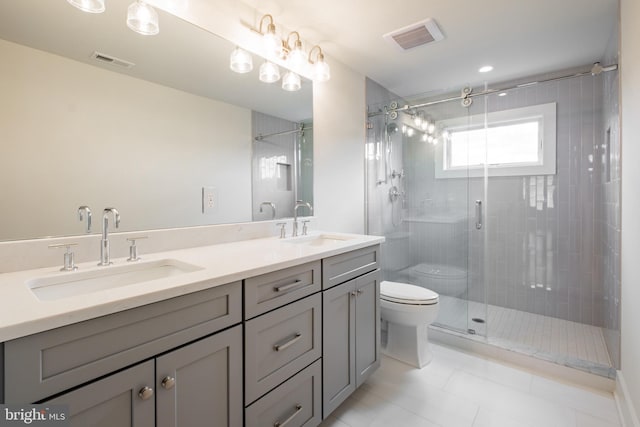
(157, 126)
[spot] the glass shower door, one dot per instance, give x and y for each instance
(424, 202)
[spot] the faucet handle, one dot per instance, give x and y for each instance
(133, 249)
(283, 229)
(304, 226)
(69, 262)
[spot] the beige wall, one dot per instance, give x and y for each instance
(74, 134)
(339, 134)
(630, 108)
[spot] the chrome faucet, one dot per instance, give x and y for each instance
(87, 211)
(272, 206)
(299, 204)
(105, 258)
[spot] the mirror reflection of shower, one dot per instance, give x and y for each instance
(282, 165)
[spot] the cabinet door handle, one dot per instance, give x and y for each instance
(279, 347)
(145, 393)
(292, 416)
(168, 383)
(478, 214)
(287, 287)
(359, 291)
(353, 293)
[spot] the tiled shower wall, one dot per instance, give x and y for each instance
(273, 166)
(608, 208)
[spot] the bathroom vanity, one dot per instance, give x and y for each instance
(265, 332)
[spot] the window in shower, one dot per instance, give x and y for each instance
(519, 141)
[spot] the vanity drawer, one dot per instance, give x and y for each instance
(340, 268)
(49, 362)
(281, 343)
(272, 290)
(296, 401)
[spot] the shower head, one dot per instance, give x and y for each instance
(392, 128)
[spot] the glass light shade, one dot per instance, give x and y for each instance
(321, 71)
(91, 6)
(417, 120)
(297, 58)
(291, 82)
(431, 128)
(272, 44)
(143, 19)
(269, 72)
(240, 61)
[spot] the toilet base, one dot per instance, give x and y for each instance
(408, 344)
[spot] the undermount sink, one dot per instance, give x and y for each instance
(319, 239)
(75, 283)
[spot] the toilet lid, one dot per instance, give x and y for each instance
(405, 293)
(439, 271)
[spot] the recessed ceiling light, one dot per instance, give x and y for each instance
(502, 94)
(485, 69)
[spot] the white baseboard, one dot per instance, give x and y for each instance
(627, 412)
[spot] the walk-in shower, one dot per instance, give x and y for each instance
(505, 201)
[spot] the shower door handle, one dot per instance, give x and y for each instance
(478, 214)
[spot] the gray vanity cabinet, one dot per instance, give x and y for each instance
(201, 383)
(113, 401)
(350, 338)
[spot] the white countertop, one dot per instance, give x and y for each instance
(22, 313)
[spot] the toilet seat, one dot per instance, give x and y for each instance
(404, 293)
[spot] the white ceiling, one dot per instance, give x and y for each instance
(518, 37)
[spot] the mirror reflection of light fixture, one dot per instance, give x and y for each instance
(241, 61)
(291, 82)
(269, 72)
(142, 18)
(90, 6)
(320, 71)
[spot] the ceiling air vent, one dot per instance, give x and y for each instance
(415, 35)
(108, 59)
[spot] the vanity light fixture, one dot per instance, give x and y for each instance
(272, 44)
(241, 61)
(142, 18)
(296, 56)
(289, 50)
(321, 71)
(90, 6)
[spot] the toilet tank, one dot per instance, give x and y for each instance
(396, 251)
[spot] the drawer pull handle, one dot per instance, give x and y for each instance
(360, 291)
(145, 393)
(279, 347)
(284, 288)
(168, 383)
(292, 416)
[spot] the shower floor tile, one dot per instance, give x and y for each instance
(555, 339)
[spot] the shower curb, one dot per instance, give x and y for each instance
(477, 345)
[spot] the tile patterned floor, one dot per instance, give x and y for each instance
(462, 390)
(549, 335)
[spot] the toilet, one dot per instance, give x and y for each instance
(407, 311)
(441, 278)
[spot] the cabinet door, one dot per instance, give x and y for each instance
(338, 345)
(367, 325)
(201, 384)
(113, 401)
